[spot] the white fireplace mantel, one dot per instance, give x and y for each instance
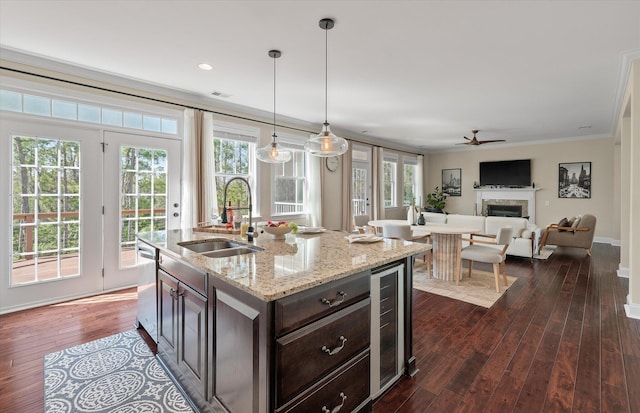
(524, 194)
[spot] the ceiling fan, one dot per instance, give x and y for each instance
(475, 142)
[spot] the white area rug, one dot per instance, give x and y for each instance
(545, 252)
(480, 289)
(114, 374)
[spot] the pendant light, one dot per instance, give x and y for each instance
(326, 144)
(273, 153)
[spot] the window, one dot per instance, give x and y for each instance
(290, 182)
(44, 106)
(390, 167)
(234, 157)
(409, 180)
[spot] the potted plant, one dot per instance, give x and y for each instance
(436, 201)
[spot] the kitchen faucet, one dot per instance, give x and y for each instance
(240, 208)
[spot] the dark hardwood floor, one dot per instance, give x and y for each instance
(557, 340)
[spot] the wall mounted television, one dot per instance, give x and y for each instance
(516, 173)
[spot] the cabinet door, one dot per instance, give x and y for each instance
(192, 327)
(167, 315)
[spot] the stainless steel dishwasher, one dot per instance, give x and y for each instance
(387, 327)
(147, 296)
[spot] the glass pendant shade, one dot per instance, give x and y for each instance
(326, 144)
(273, 153)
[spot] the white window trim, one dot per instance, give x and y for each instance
(292, 142)
(393, 157)
(244, 133)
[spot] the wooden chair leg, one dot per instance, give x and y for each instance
(496, 273)
(470, 266)
(504, 273)
(589, 251)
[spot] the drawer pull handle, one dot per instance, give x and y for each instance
(338, 407)
(337, 349)
(334, 303)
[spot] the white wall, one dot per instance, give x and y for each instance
(544, 173)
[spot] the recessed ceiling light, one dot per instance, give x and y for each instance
(205, 66)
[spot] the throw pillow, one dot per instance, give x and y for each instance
(576, 223)
(564, 222)
(571, 221)
(526, 233)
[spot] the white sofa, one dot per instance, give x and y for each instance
(526, 236)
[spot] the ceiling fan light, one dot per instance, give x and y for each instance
(273, 153)
(326, 143)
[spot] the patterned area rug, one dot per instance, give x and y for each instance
(480, 289)
(114, 374)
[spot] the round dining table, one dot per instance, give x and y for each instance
(444, 240)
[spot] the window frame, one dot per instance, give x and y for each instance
(390, 158)
(413, 162)
(238, 133)
(296, 145)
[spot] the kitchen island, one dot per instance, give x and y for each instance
(311, 322)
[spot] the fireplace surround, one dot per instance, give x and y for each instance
(525, 198)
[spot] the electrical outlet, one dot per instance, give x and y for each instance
(546, 203)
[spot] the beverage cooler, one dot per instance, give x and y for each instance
(387, 327)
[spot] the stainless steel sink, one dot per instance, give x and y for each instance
(230, 252)
(219, 247)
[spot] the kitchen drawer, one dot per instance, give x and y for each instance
(345, 390)
(311, 352)
(303, 308)
(188, 275)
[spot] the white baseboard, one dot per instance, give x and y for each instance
(607, 240)
(623, 272)
(632, 310)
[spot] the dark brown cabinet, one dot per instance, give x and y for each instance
(320, 360)
(182, 330)
(309, 351)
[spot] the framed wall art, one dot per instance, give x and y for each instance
(574, 180)
(452, 182)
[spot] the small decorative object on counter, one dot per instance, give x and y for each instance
(421, 219)
(250, 234)
(244, 226)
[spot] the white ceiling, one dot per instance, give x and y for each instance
(418, 74)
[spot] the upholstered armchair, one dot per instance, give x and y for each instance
(404, 232)
(579, 234)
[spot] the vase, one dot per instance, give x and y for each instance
(421, 220)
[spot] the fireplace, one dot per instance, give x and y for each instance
(506, 200)
(504, 210)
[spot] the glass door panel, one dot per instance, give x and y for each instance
(142, 179)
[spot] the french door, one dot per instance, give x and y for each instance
(71, 211)
(51, 213)
(141, 193)
(361, 180)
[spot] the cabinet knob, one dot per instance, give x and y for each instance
(338, 407)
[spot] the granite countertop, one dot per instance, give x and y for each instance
(285, 266)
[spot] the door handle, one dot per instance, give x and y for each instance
(175, 214)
